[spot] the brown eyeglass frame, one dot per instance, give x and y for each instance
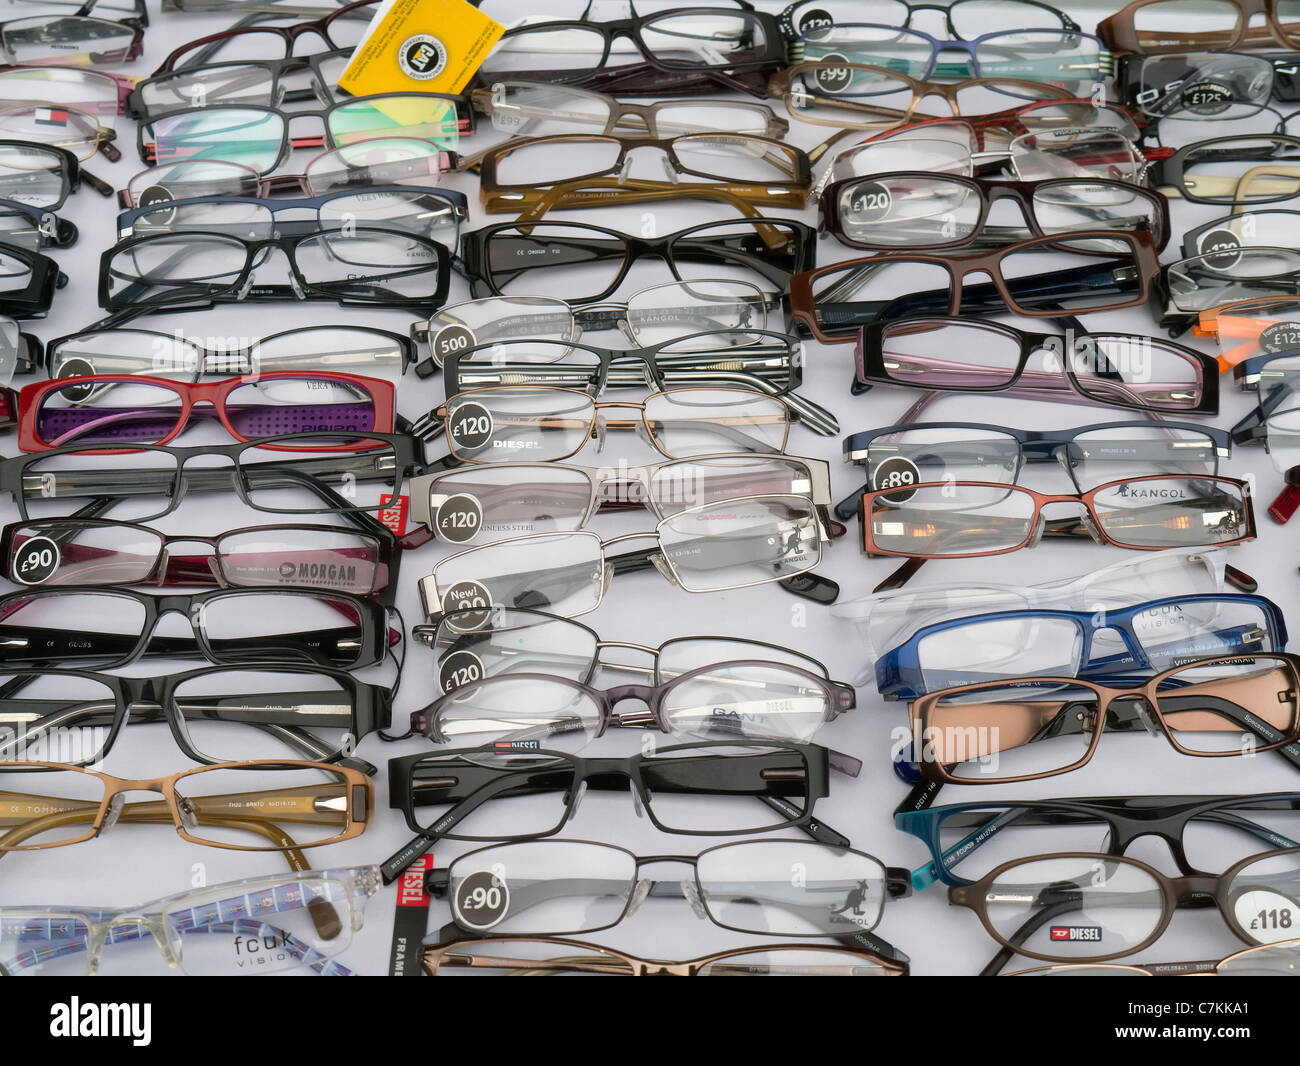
(791, 192)
(1174, 891)
(961, 265)
(431, 958)
(357, 793)
(1199, 968)
(919, 712)
(1119, 32)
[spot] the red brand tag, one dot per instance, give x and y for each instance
(410, 887)
(393, 514)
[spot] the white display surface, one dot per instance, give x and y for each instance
(131, 864)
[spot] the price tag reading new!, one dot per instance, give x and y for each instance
(433, 46)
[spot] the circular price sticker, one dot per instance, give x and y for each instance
(422, 57)
(871, 202)
(833, 79)
(893, 473)
(1206, 98)
(482, 900)
(1280, 336)
(470, 426)
(458, 519)
(1266, 916)
(815, 19)
(451, 340)
(76, 368)
(458, 669)
(464, 595)
(35, 561)
(1225, 246)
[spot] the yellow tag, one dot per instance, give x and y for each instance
(432, 46)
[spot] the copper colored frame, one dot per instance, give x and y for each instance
(606, 962)
(1040, 499)
(356, 792)
(1119, 32)
(1037, 715)
(963, 264)
(790, 192)
(1199, 968)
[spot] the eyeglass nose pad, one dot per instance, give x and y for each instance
(637, 805)
(298, 291)
(669, 172)
(1090, 524)
(1039, 525)
(115, 806)
(189, 816)
(1146, 716)
(692, 893)
(248, 284)
(643, 433)
(598, 431)
(606, 576)
(625, 169)
(661, 564)
(639, 892)
(577, 799)
(168, 945)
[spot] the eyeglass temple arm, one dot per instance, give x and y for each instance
(1254, 426)
(808, 586)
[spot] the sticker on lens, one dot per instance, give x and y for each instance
(458, 519)
(870, 202)
(482, 900)
(1206, 98)
(465, 595)
(35, 561)
(894, 472)
(451, 340)
(153, 195)
(422, 57)
(1221, 248)
(458, 669)
(76, 368)
(1280, 337)
(470, 426)
(1266, 916)
(833, 79)
(816, 18)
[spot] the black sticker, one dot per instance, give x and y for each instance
(893, 472)
(76, 368)
(470, 426)
(1225, 246)
(1279, 337)
(35, 561)
(1206, 98)
(157, 194)
(458, 519)
(466, 594)
(833, 79)
(451, 340)
(815, 19)
(482, 900)
(870, 202)
(459, 668)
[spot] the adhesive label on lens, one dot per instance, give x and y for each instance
(464, 595)
(459, 668)
(76, 368)
(459, 519)
(1076, 934)
(482, 900)
(815, 19)
(35, 561)
(894, 472)
(833, 79)
(871, 202)
(157, 194)
(451, 340)
(1206, 98)
(1225, 246)
(1279, 337)
(1267, 916)
(470, 426)
(422, 57)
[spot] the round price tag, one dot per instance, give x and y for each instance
(893, 473)
(482, 900)
(467, 594)
(833, 79)
(1280, 336)
(1225, 245)
(452, 340)
(1206, 98)
(459, 668)
(470, 426)
(815, 19)
(1267, 916)
(35, 561)
(459, 519)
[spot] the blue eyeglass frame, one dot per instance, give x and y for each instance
(899, 674)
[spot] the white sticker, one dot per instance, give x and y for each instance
(458, 519)
(470, 426)
(1266, 916)
(35, 561)
(482, 900)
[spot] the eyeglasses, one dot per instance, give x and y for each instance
(921, 210)
(362, 560)
(305, 918)
(1205, 86)
(1200, 832)
(1124, 903)
(968, 519)
(888, 618)
(556, 957)
(537, 109)
(1117, 646)
(864, 97)
(250, 81)
(124, 408)
(342, 28)
(728, 545)
(363, 265)
(1184, 289)
(58, 126)
(539, 423)
(44, 626)
(916, 452)
(498, 256)
(680, 51)
(1155, 26)
(433, 214)
(28, 227)
(1241, 169)
(360, 350)
(73, 39)
(506, 499)
(1069, 58)
(579, 886)
(755, 169)
(93, 91)
(258, 137)
(759, 359)
(215, 715)
(41, 176)
(158, 477)
(377, 161)
(835, 302)
(49, 805)
(1255, 228)
(1035, 727)
(964, 19)
(1255, 336)
(28, 281)
(1268, 960)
